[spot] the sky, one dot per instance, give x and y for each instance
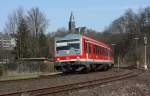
(94, 14)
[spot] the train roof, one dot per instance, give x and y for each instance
(78, 36)
(68, 37)
(98, 42)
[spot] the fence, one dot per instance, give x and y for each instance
(26, 67)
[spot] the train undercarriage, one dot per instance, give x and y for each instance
(76, 66)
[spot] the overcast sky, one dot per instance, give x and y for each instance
(95, 14)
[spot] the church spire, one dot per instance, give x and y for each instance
(71, 17)
(71, 23)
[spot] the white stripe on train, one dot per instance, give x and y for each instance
(87, 60)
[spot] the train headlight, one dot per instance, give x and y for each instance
(58, 59)
(78, 57)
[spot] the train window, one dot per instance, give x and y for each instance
(97, 50)
(108, 52)
(100, 50)
(105, 52)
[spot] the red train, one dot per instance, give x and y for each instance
(76, 53)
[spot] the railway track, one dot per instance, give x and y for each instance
(72, 86)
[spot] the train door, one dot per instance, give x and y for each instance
(92, 52)
(86, 49)
(89, 50)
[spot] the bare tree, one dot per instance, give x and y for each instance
(37, 24)
(14, 18)
(37, 21)
(23, 46)
(126, 28)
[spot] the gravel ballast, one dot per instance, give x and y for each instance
(25, 85)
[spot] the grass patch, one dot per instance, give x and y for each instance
(18, 76)
(47, 67)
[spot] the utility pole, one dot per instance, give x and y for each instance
(113, 45)
(145, 43)
(79, 30)
(118, 63)
(137, 61)
(146, 24)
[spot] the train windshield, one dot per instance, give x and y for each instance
(66, 47)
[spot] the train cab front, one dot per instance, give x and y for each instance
(67, 53)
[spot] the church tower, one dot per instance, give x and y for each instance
(71, 24)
